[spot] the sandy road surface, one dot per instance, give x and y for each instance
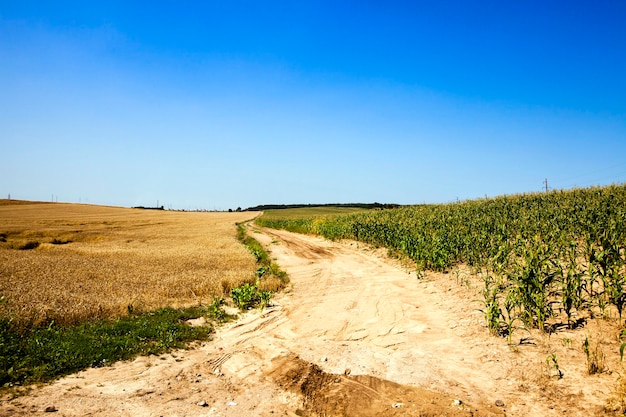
(354, 335)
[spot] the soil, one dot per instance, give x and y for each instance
(355, 334)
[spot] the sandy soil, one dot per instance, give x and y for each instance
(356, 334)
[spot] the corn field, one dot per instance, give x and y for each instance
(540, 255)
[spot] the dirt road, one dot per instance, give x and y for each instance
(355, 334)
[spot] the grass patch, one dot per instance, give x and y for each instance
(307, 212)
(313, 220)
(269, 277)
(253, 245)
(248, 296)
(43, 353)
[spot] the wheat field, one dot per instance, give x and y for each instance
(69, 263)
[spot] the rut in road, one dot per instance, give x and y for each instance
(348, 309)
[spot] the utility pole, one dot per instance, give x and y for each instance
(546, 184)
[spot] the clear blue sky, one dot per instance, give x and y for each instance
(236, 103)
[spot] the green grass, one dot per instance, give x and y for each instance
(44, 353)
(266, 266)
(311, 220)
(305, 212)
(268, 276)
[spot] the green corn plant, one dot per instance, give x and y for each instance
(614, 249)
(616, 294)
(606, 261)
(553, 363)
(595, 358)
(492, 311)
(510, 314)
(591, 277)
(533, 277)
(572, 283)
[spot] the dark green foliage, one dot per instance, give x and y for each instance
(366, 206)
(244, 296)
(572, 281)
(216, 312)
(533, 276)
(248, 296)
(475, 231)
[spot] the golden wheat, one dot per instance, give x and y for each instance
(88, 261)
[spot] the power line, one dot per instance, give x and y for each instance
(601, 174)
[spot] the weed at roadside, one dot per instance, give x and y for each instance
(595, 358)
(215, 310)
(269, 277)
(553, 368)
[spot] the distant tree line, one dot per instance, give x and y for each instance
(351, 205)
(150, 208)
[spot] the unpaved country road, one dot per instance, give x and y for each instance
(355, 334)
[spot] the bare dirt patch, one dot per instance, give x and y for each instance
(355, 335)
(361, 395)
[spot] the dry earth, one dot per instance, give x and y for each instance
(356, 334)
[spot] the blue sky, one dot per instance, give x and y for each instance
(224, 104)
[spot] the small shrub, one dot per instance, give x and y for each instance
(216, 311)
(261, 271)
(245, 296)
(264, 299)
